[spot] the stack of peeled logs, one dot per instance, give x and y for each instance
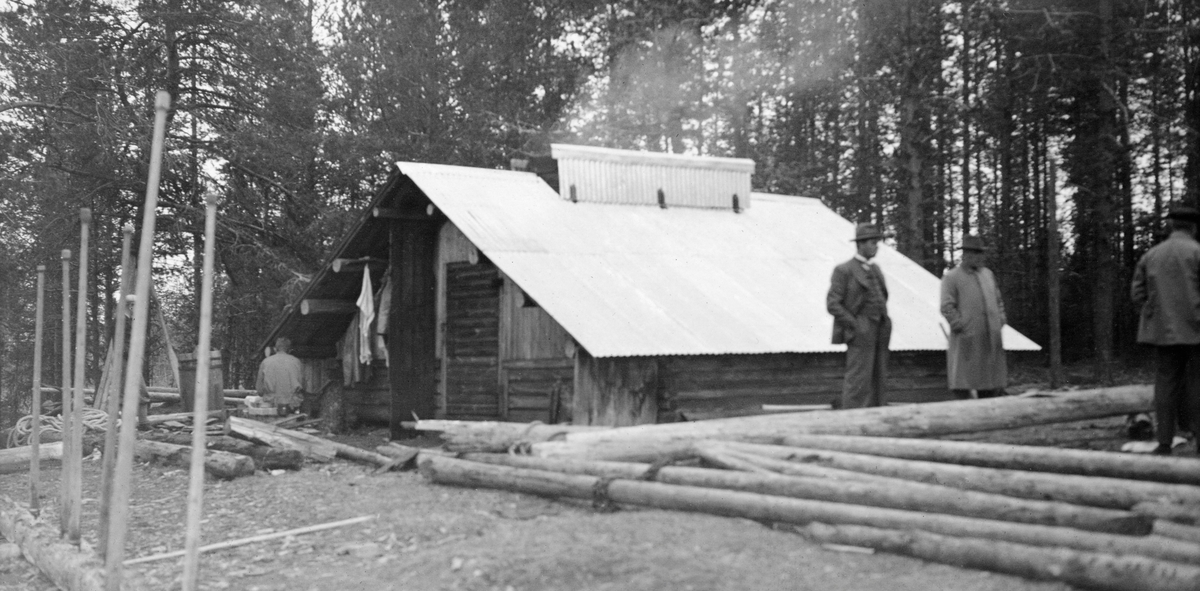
(879, 478)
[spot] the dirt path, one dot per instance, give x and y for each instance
(429, 537)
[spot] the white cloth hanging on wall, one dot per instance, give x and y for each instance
(366, 313)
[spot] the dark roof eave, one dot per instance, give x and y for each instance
(293, 310)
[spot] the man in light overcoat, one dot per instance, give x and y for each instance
(857, 299)
(1166, 288)
(971, 303)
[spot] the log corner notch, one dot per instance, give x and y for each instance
(69, 567)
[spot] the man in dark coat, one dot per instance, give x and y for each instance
(971, 303)
(1166, 288)
(857, 300)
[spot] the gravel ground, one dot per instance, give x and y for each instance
(425, 536)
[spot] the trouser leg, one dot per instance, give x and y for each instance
(1189, 400)
(860, 367)
(879, 367)
(1170, 385)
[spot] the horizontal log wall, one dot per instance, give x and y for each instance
(709, 386)
(372, 400)
(539, 389)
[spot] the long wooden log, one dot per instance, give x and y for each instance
(910, 496)
(1087, 570)
(1013, 457)
(647, 442)
(265, 457)
(108, 398)
(191, 563)
(18, 459)
(74, 480)
(68, 518)
(35, 433)
(164, 393)
(180, 416)
(445, 470)
(1096, 491)
(1184, 514)
(493, 436)
(253, 539)
(114, 555)
(281, 438)
(223, 465)
(1178, 531)
(257, 429)
(69, 567)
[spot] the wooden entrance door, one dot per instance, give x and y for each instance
(472, 341)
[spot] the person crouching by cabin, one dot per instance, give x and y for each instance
(279, 378)
(1166, 289)
(857, 299)
(971, 303)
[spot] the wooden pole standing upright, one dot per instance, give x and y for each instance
(75, 490)
(64, 514)
(113, 403)
(191, 561)
(119, 510)
(1052, 279)
(35, 434)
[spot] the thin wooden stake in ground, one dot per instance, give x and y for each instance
(64, 503)
(191, 562)
(253, 539)
(75, 492)
(35, 434)
(113, 403)
(119, 511)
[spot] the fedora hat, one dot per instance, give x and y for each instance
(973, 242)
(867, 232)
(1184, 213)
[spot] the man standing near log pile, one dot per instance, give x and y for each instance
(279, 378)
(857, 299)
(971, 303)
(1166, 288)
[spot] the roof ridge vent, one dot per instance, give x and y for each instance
(630, 177)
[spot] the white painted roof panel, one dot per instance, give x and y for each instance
(631, 280)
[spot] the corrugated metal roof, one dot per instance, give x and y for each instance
(642, 281)
(605, 175)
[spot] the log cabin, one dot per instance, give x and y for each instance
(614, 288)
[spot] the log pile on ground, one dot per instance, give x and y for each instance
(1097, 520)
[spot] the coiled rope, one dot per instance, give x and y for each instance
(94, 419)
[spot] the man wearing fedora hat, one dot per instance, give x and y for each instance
(971, 303)
(1166, 288)
(857, 300)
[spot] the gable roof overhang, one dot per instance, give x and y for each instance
(318, 318)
